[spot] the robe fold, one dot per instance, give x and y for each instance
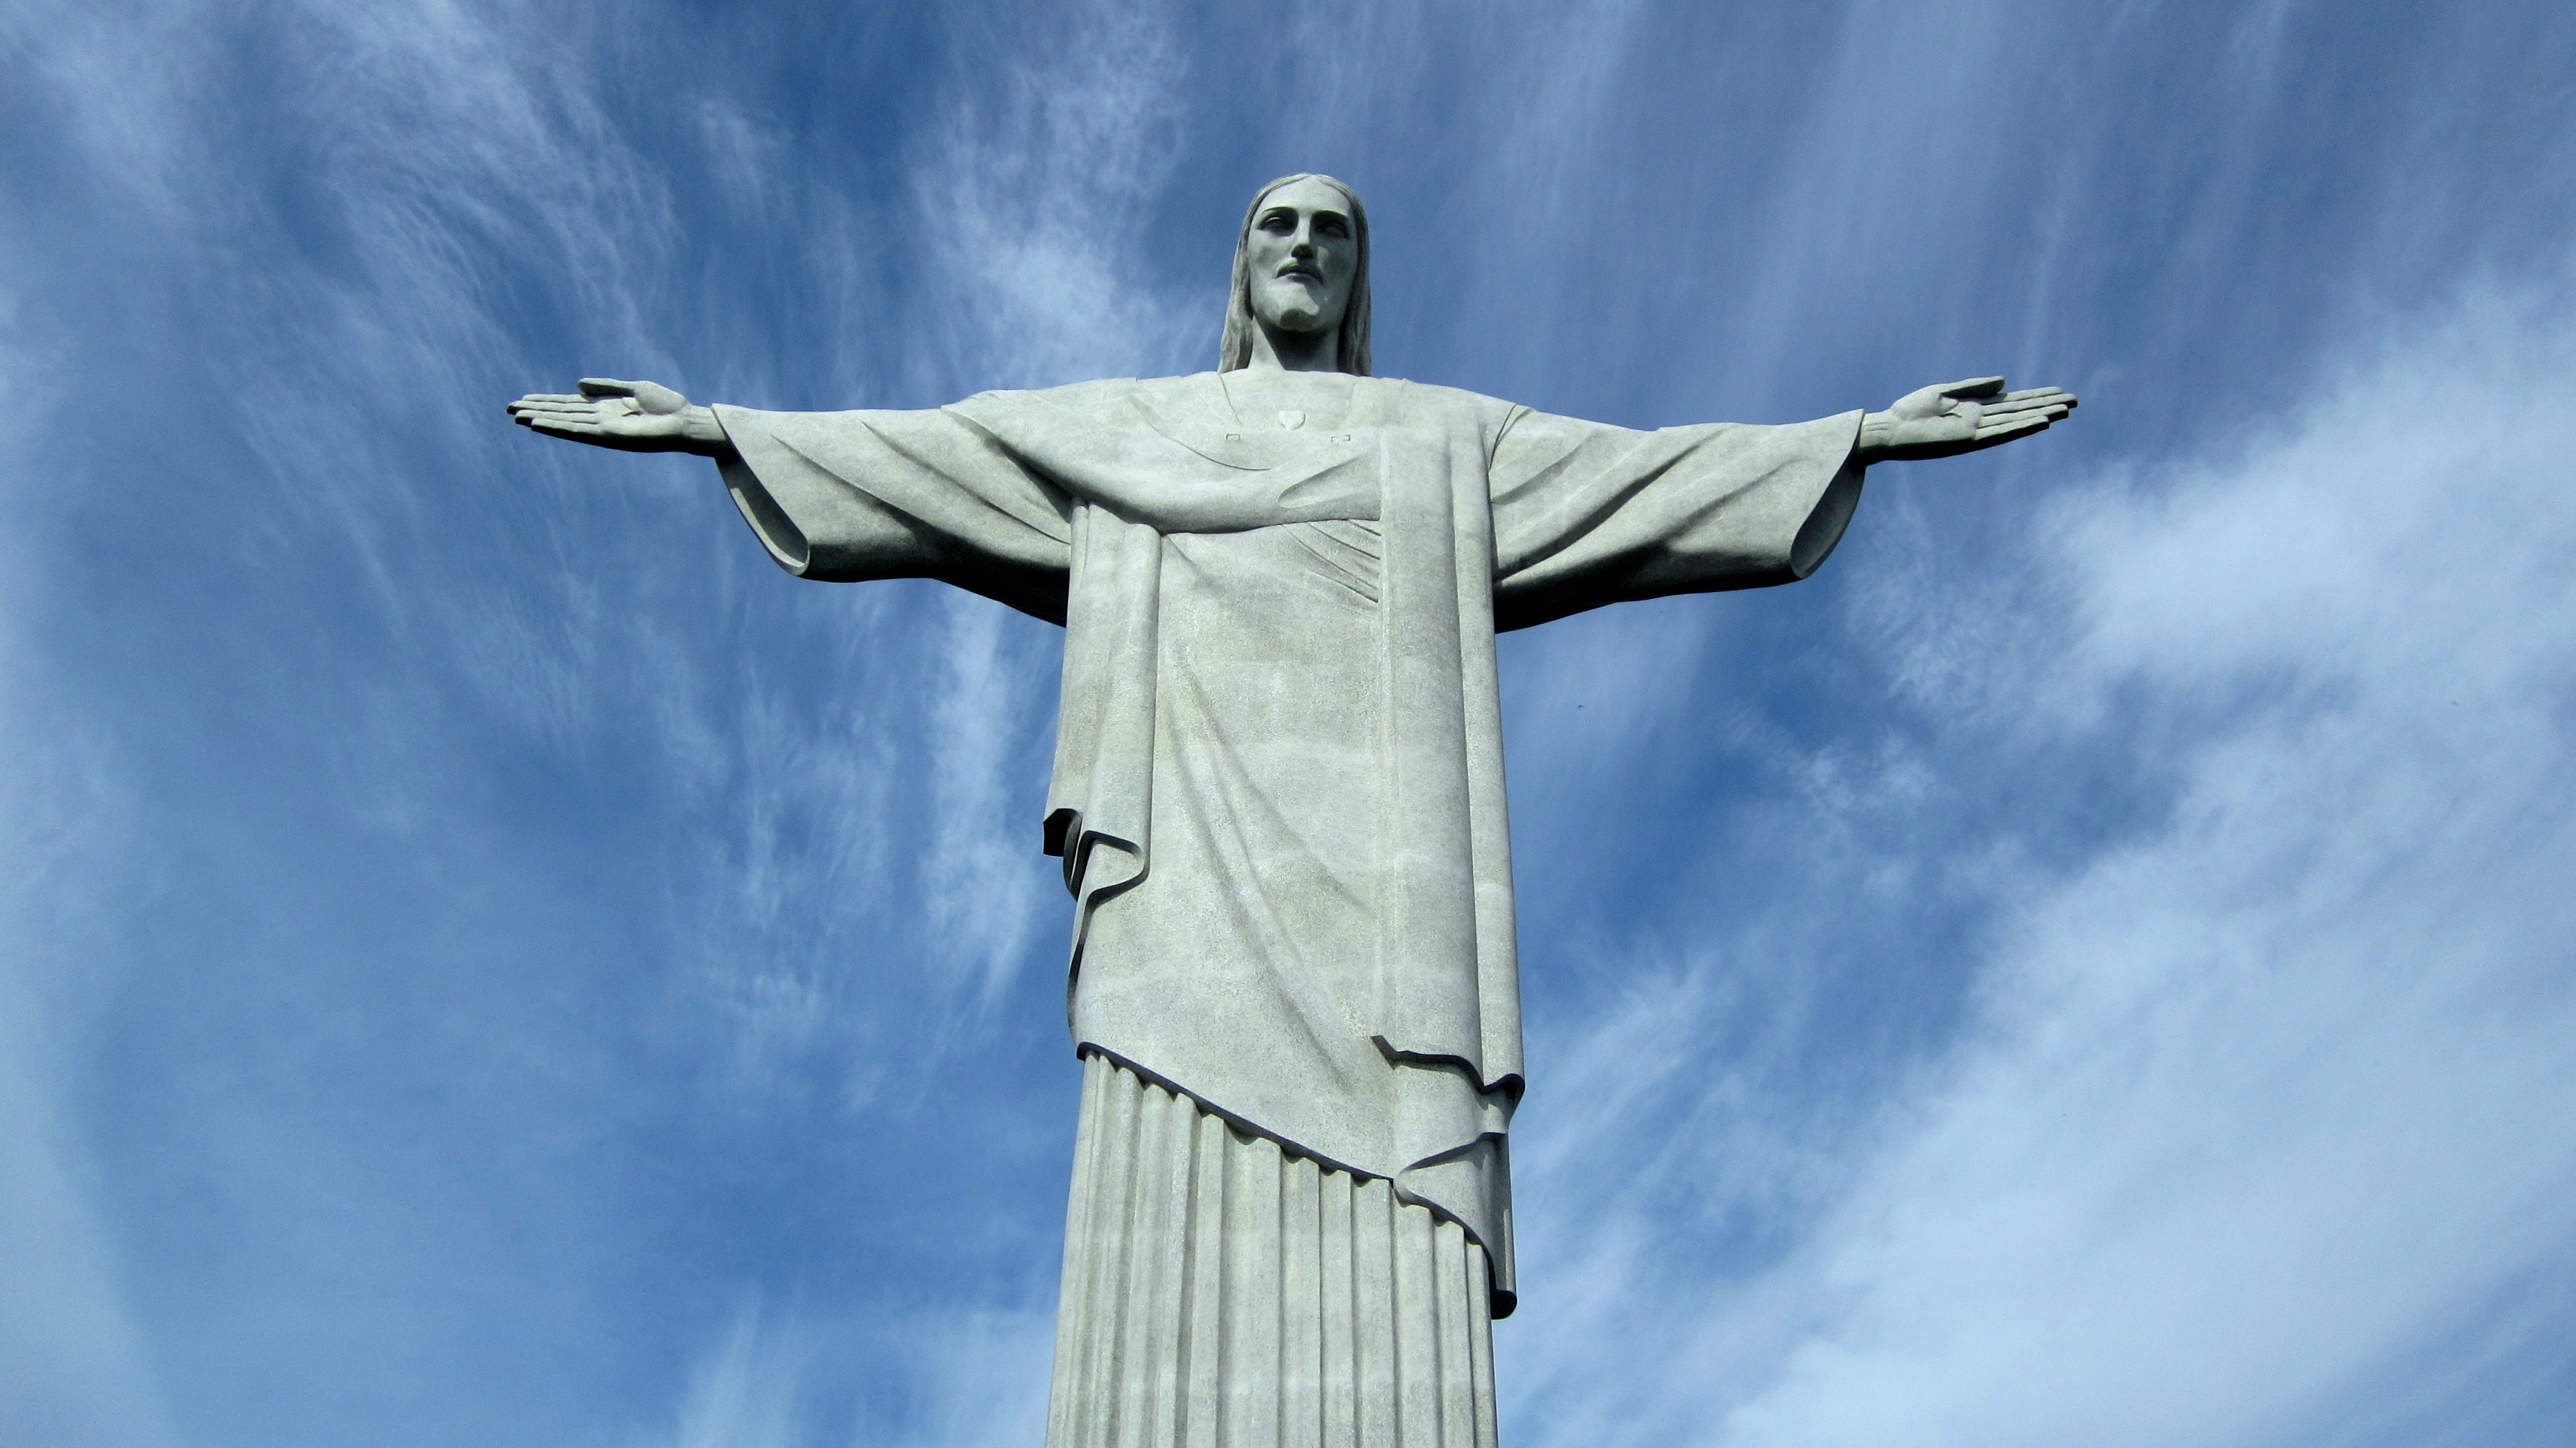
(1278, 781)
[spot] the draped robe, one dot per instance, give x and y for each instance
(1278, 781)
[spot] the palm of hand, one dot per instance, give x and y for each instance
(629, 416)
(1958, 417)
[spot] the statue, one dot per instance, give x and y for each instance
(1278, 792)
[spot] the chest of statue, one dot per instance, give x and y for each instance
(1200, 455)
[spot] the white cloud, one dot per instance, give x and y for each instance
(894, 1378)
(977, 1379)
(983, 894)
(2261, 1103)
(1035, 184)
(75, 1370)
(744, 1393)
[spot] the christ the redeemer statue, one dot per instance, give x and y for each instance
(1278, 792)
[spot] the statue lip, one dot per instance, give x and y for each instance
(1299, 269)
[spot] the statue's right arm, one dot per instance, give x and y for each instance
(627, 416)
(849, 496)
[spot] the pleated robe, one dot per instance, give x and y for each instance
(1278, 784)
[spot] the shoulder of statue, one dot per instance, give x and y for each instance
(1186, 382)
(1100, 392)
(1432, 397)
(1109, 402)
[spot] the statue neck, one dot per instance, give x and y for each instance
(1281, 351)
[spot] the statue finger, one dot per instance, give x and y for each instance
(2036, 394)
(2019, 403)
(2011, 428)
(1974, 387)
(2028, 414)
(554, 397)
(606, 387)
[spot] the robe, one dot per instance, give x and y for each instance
(1278, 781)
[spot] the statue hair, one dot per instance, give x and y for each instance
(1234, 348)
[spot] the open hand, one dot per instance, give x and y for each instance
(1958, 417)
(628, 416)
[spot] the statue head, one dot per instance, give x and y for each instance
(1300, 266)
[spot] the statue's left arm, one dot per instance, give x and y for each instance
(1587, 514)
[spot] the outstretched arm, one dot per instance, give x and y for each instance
(1586, 514)
(628, 416)
(1957, 417)
(844, 496)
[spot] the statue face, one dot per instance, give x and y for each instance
(1301, 256)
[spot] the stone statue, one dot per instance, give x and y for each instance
(1278, 792)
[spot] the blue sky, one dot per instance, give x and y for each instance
(485, 958)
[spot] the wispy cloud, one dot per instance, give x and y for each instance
(75, 1364)
(1035, 186)
(910, 1377)
(78, 1367)
(743, 1394)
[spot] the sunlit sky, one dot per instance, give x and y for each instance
(485, 958)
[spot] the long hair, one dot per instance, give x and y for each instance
(1234, 348)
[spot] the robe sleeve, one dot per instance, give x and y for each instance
(1587, 514)
(847, 496)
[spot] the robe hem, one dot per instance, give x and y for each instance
(1504, 1300)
